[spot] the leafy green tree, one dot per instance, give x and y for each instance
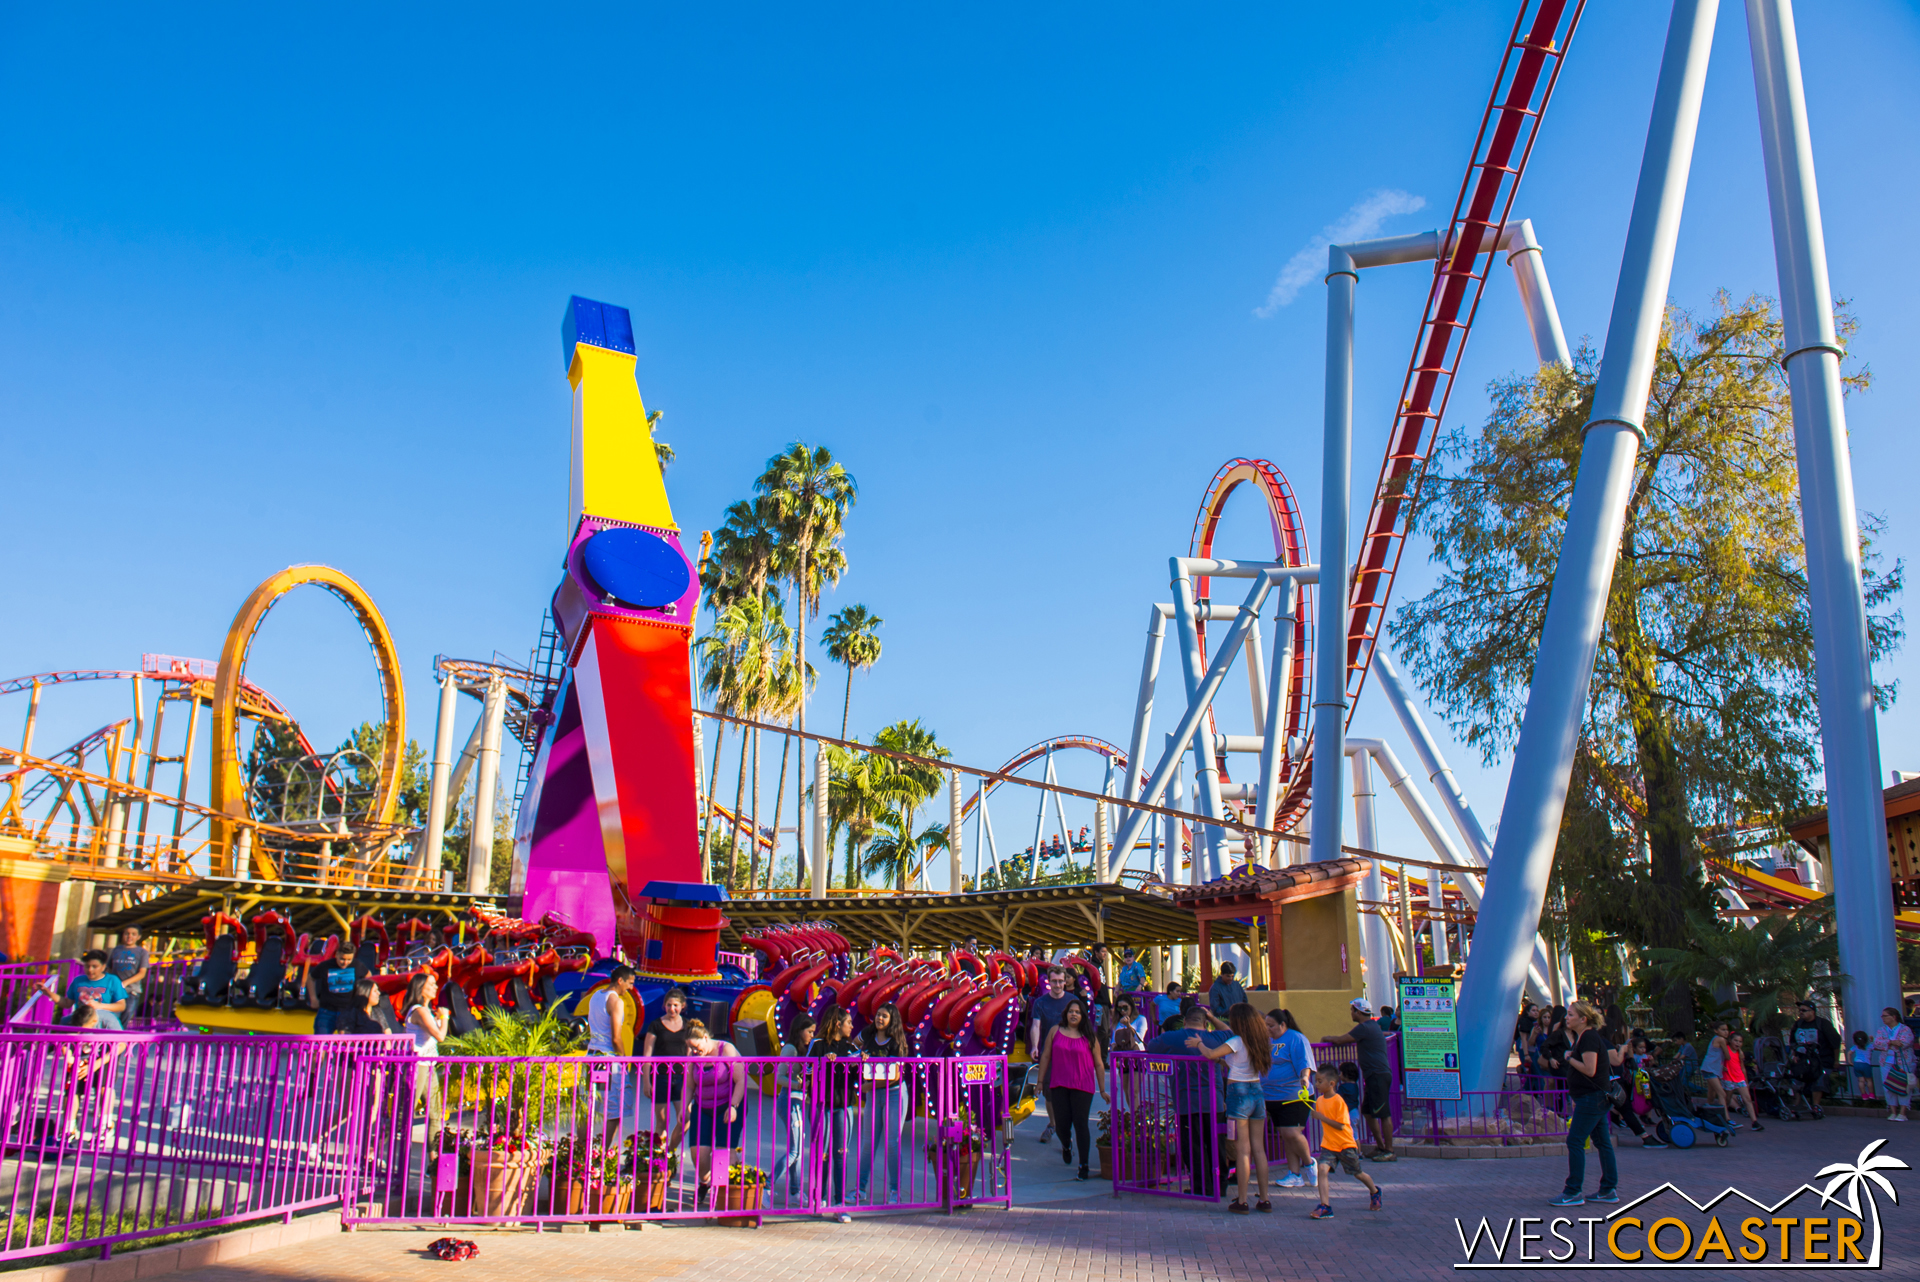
(897, 853)
(1703, 702)
(748, 665)
(853, 638)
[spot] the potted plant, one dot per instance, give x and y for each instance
(597, 1179)
(1103, 1143)
(744, 1191)
(497, 1172)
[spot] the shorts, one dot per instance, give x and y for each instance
(1292, 1114)
(1378, 1094)
(1711, 1077)
(1347, 1159)
(666, 1084)
(1245, 1100)
(711, 1129)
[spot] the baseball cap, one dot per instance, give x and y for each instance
(1359, 1005)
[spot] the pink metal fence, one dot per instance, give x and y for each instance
(114, 1137)
(576, 1138)
(1164, 1125)
(21, 1001)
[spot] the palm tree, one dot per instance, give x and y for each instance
(1774, 962)
(662, 451)
(747, 665)
(810, 494)
(898, 852)
(1859, 1176)
(853, 638)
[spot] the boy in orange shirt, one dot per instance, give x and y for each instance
(1336, 1142)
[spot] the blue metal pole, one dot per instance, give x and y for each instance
(1516, 885)
(1849, 734)
(1336, 489)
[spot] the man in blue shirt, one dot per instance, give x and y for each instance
(99, 988)
(1197, 1087)
(1225, 992)
(1133, 976)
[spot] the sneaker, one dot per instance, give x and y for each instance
(1604, 1195)
(1066, 1156)
(1291, 1181)
(1758, 1127)
(1047, 1134)
(1081, 1174)
(1650, 1142)
(1566, 1200)
(1819, 1113)
(1901, 1118)
(1382, 1155)
(1321, 1212)
(1237, 1207)
(843, 1218)
(1373, 1200)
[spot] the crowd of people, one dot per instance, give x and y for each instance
(1737, 1073)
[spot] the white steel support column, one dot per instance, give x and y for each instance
(1849, 734)
(1376, 945)
(486, 778)
(1273, 745)
(429, 860)
(1536, 295)
(1336, 496)
(1464, 820)
(1563, 669)
(820, 791)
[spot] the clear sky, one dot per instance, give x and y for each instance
(281, 286)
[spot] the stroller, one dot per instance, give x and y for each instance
(1675, 1119)
(1772, 1084)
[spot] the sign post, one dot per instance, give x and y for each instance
(1429, 1039)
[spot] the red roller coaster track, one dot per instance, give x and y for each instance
(1535, 52)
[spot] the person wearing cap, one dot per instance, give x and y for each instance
(1133, 976)
(1376, 1076)
(1814, 1042)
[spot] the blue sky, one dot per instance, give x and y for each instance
(278, 287)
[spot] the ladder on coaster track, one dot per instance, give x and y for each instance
(1535, 53)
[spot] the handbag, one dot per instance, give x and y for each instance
(1897, 1080)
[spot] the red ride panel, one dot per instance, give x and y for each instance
(644, 681)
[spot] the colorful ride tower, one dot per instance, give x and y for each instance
(612, 790)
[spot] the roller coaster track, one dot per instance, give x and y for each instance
(1530, 66)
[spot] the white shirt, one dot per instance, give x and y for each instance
(425, 1044)
(600, 1023)
(1239, 1063)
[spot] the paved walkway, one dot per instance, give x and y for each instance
(1138, 1238)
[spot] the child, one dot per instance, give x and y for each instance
(1734, 1075)
(1863, 1065)
(1350, 1085)
(1336, 1142)
(795, 1079)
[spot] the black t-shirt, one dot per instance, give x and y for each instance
(843, 1075)
(1523, 1026)
(357, 1023)
(1371, 1044)
(668, 1041)
(1578, 1083)
(333, 983)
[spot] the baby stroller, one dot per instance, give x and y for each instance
(1675, 1120)
(1772, 1083)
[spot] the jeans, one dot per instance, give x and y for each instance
(1589, 1119)
(794, 1164)
(837, 1125)
(323, 1022)
(889, 1109)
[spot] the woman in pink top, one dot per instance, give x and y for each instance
(712, 1103)
(1070, 1070)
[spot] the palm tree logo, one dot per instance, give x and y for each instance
(1859, 1177)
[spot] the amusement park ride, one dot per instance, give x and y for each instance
(607, 833)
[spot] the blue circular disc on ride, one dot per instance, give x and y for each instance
(636, 568)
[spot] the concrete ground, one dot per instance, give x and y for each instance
(1061, 1230)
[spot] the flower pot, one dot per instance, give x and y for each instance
(737, 1197)
(1105, 1150)
(600, 1199)
(497, 1183)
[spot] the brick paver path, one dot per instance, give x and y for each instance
(1135, 1238)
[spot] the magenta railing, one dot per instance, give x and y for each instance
(578, 1138)
(749, 962)
(111, 1138)
(20, 1000)
(1164, 1125)
(1491, 1118)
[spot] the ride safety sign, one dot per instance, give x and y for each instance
(1429, 1040)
